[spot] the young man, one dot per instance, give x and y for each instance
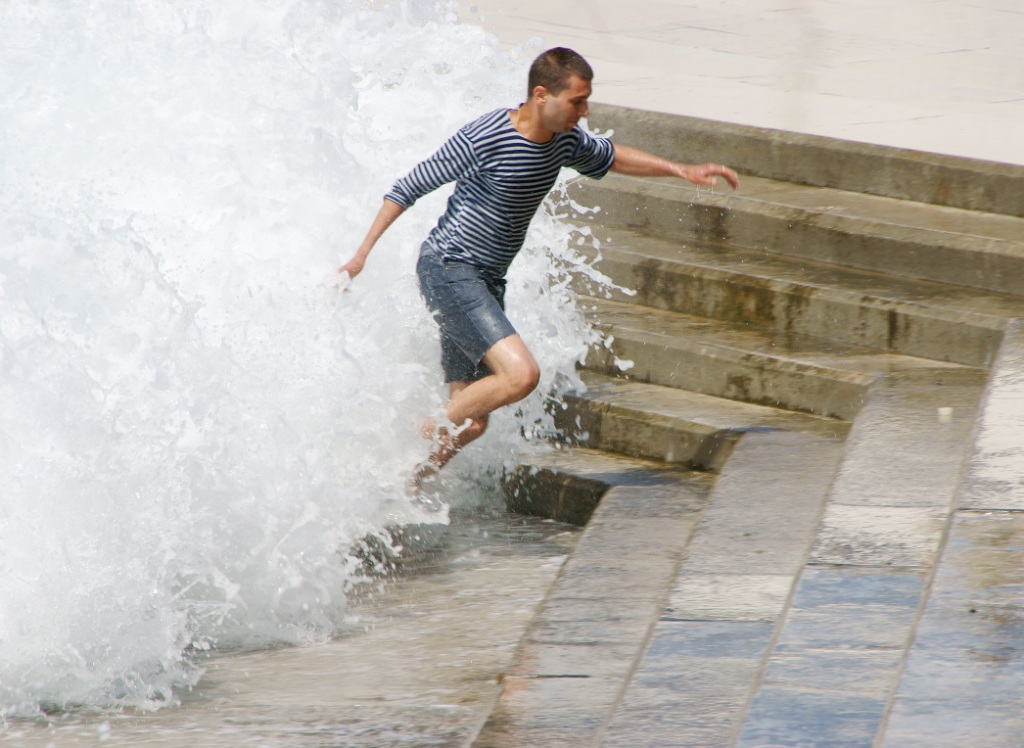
(503, 165)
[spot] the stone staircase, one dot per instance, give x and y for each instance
(777, 451)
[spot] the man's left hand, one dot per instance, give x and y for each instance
(706, 175)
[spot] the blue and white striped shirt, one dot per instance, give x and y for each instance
(500, 178)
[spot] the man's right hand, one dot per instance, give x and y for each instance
(387, 214)
(353, 267)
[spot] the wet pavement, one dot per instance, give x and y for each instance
(964, 676)
(962, 683)
(873, 594)
(855, 603)
(419, 666)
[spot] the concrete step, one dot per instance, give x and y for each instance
(803, 297)
(914, 240)
(803, 591)
(769, 604)
(917, 176)
(675, 568)
(578, 654)
(671, 425)
(736, 362)
(709, 641)
(568, 484)
(836, 661)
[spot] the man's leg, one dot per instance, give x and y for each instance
(515, 375)
(449, 443)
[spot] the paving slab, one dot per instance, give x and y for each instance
(965, 672)
(556, 712)
(869, 672)
(910, 443)
(694, 679)
(782, 716)
(879, 536)
(769, 534)
(995, 477)
(845, 608)
(690, 687)
(728, 597)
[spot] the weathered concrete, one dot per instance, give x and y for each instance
(965, 670)
(822, 162)
(665, 423)
(582, 647)
(801, 297)
(996, 473)
(829, 582)
(735, 362)
(963, 677)
(948, 245)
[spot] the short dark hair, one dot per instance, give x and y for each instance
(552, 69)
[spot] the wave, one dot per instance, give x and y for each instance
(198, 427)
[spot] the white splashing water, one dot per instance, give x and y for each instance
(196, 425)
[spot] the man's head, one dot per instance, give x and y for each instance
(554, 68)
(560, 88)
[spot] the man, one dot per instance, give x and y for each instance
(504, 164)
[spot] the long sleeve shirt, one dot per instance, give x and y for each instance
(501, 178)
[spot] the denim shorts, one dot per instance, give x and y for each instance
(469, 307)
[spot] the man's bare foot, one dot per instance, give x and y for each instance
(423, 472)
(425, 495)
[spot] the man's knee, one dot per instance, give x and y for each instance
(515, 368)
(523, 380)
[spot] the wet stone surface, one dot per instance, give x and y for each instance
(903, 451)
(879, 536)
(790, 473)
(728, 597)
(965, 674)
(692, 683)
(797, 717)
(868, 672)
(852, 608)
(419, 667)
(551, 712)
(581, 649)
(996, 476)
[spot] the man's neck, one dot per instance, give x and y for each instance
(527, 122)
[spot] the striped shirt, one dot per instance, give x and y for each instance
(500, 178)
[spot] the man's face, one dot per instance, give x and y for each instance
(561, 113)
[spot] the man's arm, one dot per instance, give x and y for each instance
(386, 216)
(455, 157)
(636, 163)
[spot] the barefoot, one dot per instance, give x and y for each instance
(423, 471)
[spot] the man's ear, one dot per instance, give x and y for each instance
(540, 94)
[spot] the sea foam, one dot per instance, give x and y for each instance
(197, 425)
